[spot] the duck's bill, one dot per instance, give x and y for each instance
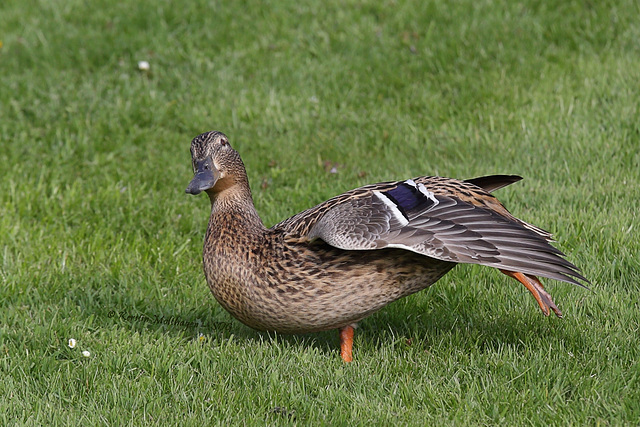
(204, 179)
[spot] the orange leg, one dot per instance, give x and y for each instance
(535, 287)
(346, 343)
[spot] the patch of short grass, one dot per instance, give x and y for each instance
(99, 242)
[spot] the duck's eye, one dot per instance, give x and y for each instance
(224, 142)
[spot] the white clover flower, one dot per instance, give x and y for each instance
(72, 343)
(143, 66)
(86, 353)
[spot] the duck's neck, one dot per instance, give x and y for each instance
(232, 209)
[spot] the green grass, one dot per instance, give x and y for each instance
(99, 243)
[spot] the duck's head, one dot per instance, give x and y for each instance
(216, 165)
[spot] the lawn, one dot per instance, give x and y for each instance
(99, 242)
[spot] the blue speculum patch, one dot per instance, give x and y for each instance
(408, 198)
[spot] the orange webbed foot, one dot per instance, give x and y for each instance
(535, 287)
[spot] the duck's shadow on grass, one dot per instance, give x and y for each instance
(405, 325)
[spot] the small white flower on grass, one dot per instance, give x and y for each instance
(72, 343)
(86, 353)
(143, 66)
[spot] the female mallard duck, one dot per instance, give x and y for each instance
(335, 264)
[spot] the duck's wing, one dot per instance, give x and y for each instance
(442, 218)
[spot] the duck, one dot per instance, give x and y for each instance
(331, 266)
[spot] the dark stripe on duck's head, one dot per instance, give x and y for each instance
(409, 198)
(206, 144)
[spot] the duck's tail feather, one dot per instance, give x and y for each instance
(492, 183)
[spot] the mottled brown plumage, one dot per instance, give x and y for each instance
(335, 264)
